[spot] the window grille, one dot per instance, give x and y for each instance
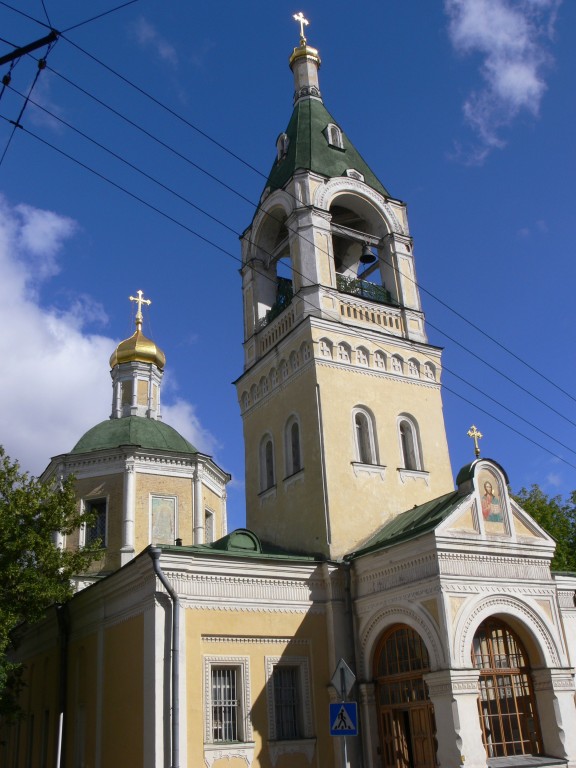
(286, 702)
(97, 530)
(225, 704)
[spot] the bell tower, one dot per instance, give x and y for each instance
(340, 395)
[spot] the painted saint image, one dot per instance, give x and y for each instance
(491, 509)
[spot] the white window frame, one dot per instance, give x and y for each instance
(170, 497)
(209, 515)
(367, 416)
(241, 665)
(333, 134)
(415, 444)
(84, 528)
(306, 718)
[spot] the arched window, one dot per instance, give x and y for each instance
(508, 715)
(406, 716)
(267, 475)
(364, 442)
(410, 454)
(380, 360)
(333, 136)
(293, 447)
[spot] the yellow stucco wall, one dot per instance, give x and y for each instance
(216, 633)
(123, 693)
(110, 487)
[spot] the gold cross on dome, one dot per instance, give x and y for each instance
(475, 435)
(139, 301)
(299, 17)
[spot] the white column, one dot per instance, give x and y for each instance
(554, 689)
(198, 507)
(224, 517)
(454, 693)
(128, 512)
(369, 724)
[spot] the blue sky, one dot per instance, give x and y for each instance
(465, 109)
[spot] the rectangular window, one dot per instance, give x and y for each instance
(208, 526)
(286, 685)
(225, 704)
(97, 530)
(289, 698)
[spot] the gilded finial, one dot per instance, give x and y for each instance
(139, 301)
(475, 435)
(299, 17)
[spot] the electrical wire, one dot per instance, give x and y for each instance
(256, 170)
(233, 231)
(238, 259)
(495, 341)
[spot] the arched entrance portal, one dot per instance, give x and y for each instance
(405, 713)
(508, 716)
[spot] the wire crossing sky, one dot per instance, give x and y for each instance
(470, 126)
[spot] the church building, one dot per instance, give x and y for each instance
(373, 613)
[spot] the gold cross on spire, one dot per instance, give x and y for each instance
(299, 17)
(139, 301)
(475, 435)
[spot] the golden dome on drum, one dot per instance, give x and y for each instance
(138, 348)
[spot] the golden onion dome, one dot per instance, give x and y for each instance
(138, 348)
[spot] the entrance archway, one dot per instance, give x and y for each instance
(508, 715)
(405, 713)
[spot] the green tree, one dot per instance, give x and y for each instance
(558, 517)
(34, 572)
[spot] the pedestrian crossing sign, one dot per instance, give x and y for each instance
(344, 719)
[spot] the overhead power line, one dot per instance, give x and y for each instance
(260, 173)
(236, 258)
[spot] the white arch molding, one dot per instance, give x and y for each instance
(277, 199)
(504, 606)
(400, 615)
(326, 193)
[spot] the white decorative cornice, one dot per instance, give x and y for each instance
(489, 565)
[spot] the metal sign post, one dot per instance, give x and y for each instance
(343, 715)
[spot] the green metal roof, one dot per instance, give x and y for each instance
(133, 430)
(309, 150)
(467, 471)
(421, 519)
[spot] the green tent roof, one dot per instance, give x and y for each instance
(133, 430)
(309, 150)
(421, 519)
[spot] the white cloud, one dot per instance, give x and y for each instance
(55, 382)
(148, 37)
(511, 37)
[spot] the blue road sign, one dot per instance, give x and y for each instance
(344, 719)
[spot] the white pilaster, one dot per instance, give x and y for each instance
(198, 507)
(454, 694)
(127, 550)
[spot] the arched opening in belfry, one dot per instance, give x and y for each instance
(274, 276)
(361, 263)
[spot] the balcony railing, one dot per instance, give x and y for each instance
(284, 295)
(354, 286)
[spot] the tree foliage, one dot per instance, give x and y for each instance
(34, 571)
(558, 517)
